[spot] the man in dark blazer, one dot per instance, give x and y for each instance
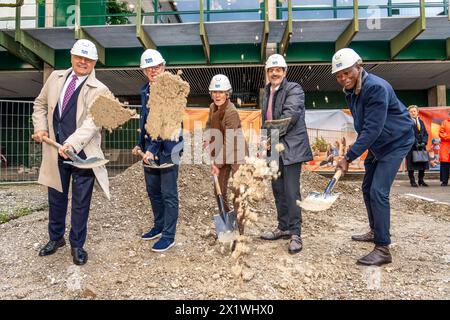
(283, 99)
(384, 128)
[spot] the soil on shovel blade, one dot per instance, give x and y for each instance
(122, 266)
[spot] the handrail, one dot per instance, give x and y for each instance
(18, 3)
(444, 4)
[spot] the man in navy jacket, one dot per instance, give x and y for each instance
(386, 130)
(161, 184)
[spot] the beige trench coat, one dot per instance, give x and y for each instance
(87, 136)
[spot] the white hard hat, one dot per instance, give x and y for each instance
(343, 59)
(276, 60)
(151, 58)
(85, 48)
(220, 82)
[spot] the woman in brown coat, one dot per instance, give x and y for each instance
(224, 136)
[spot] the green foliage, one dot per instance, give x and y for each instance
(320, 145)
(19, 212)
(4, 217)
(118, 10)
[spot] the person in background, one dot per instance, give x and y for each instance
(444, 152)
(420, 144)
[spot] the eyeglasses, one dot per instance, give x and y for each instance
(155, 68)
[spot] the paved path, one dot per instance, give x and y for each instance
(434, 191)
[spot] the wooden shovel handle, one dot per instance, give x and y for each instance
(217, 185)
(51, 142)
(333, 181)
(48, 141)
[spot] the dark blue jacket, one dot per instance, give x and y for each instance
(382, 122)
(163, 149)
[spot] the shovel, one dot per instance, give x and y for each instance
(281, 125)
(88, 163)
(152, 163)
(225, 222)
(316, 201)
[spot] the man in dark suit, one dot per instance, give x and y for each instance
(283, 99)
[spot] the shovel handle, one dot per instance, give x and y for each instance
(219, 197)
(72, 155)
(333, 181)
(217, 185)
(151, 161)
(51, 142)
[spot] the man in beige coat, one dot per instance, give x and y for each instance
(61, 113)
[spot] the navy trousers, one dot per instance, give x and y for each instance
(82, 187)
(163, 193)
(376, 187)
(286, 190)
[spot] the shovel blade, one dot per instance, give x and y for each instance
(225, 226)
(316, 201)
(89, 163)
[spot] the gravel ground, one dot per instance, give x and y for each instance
(121, 266)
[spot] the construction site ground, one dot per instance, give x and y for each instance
(122, 266)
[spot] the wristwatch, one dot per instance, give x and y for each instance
(347, 158)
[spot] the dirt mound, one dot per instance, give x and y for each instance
(122, 266)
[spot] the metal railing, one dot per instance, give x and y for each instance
(332, 9)
(95, 12)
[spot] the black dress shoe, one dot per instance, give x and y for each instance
(423, 184)
(414, 185)
(80, 256)
(367, 237)
(444, 184)
(51, 247)
(379, 256)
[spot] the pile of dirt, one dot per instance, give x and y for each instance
(168, 99)
(122, 266)
(108, 112)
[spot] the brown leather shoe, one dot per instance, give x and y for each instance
(367, 237)
(379, 256)
(276, 234)
(295, 245)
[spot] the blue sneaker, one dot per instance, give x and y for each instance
(163, 244)
(152, 234)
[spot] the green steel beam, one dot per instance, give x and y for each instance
(287, 31)
(18, 50)
(80, 33)
(143, 37)
(265, 32)
(204, 35)
(43, 51)
(448, 48)
(18, 3)
(404, 38)
(40, 49)
(350, 32)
